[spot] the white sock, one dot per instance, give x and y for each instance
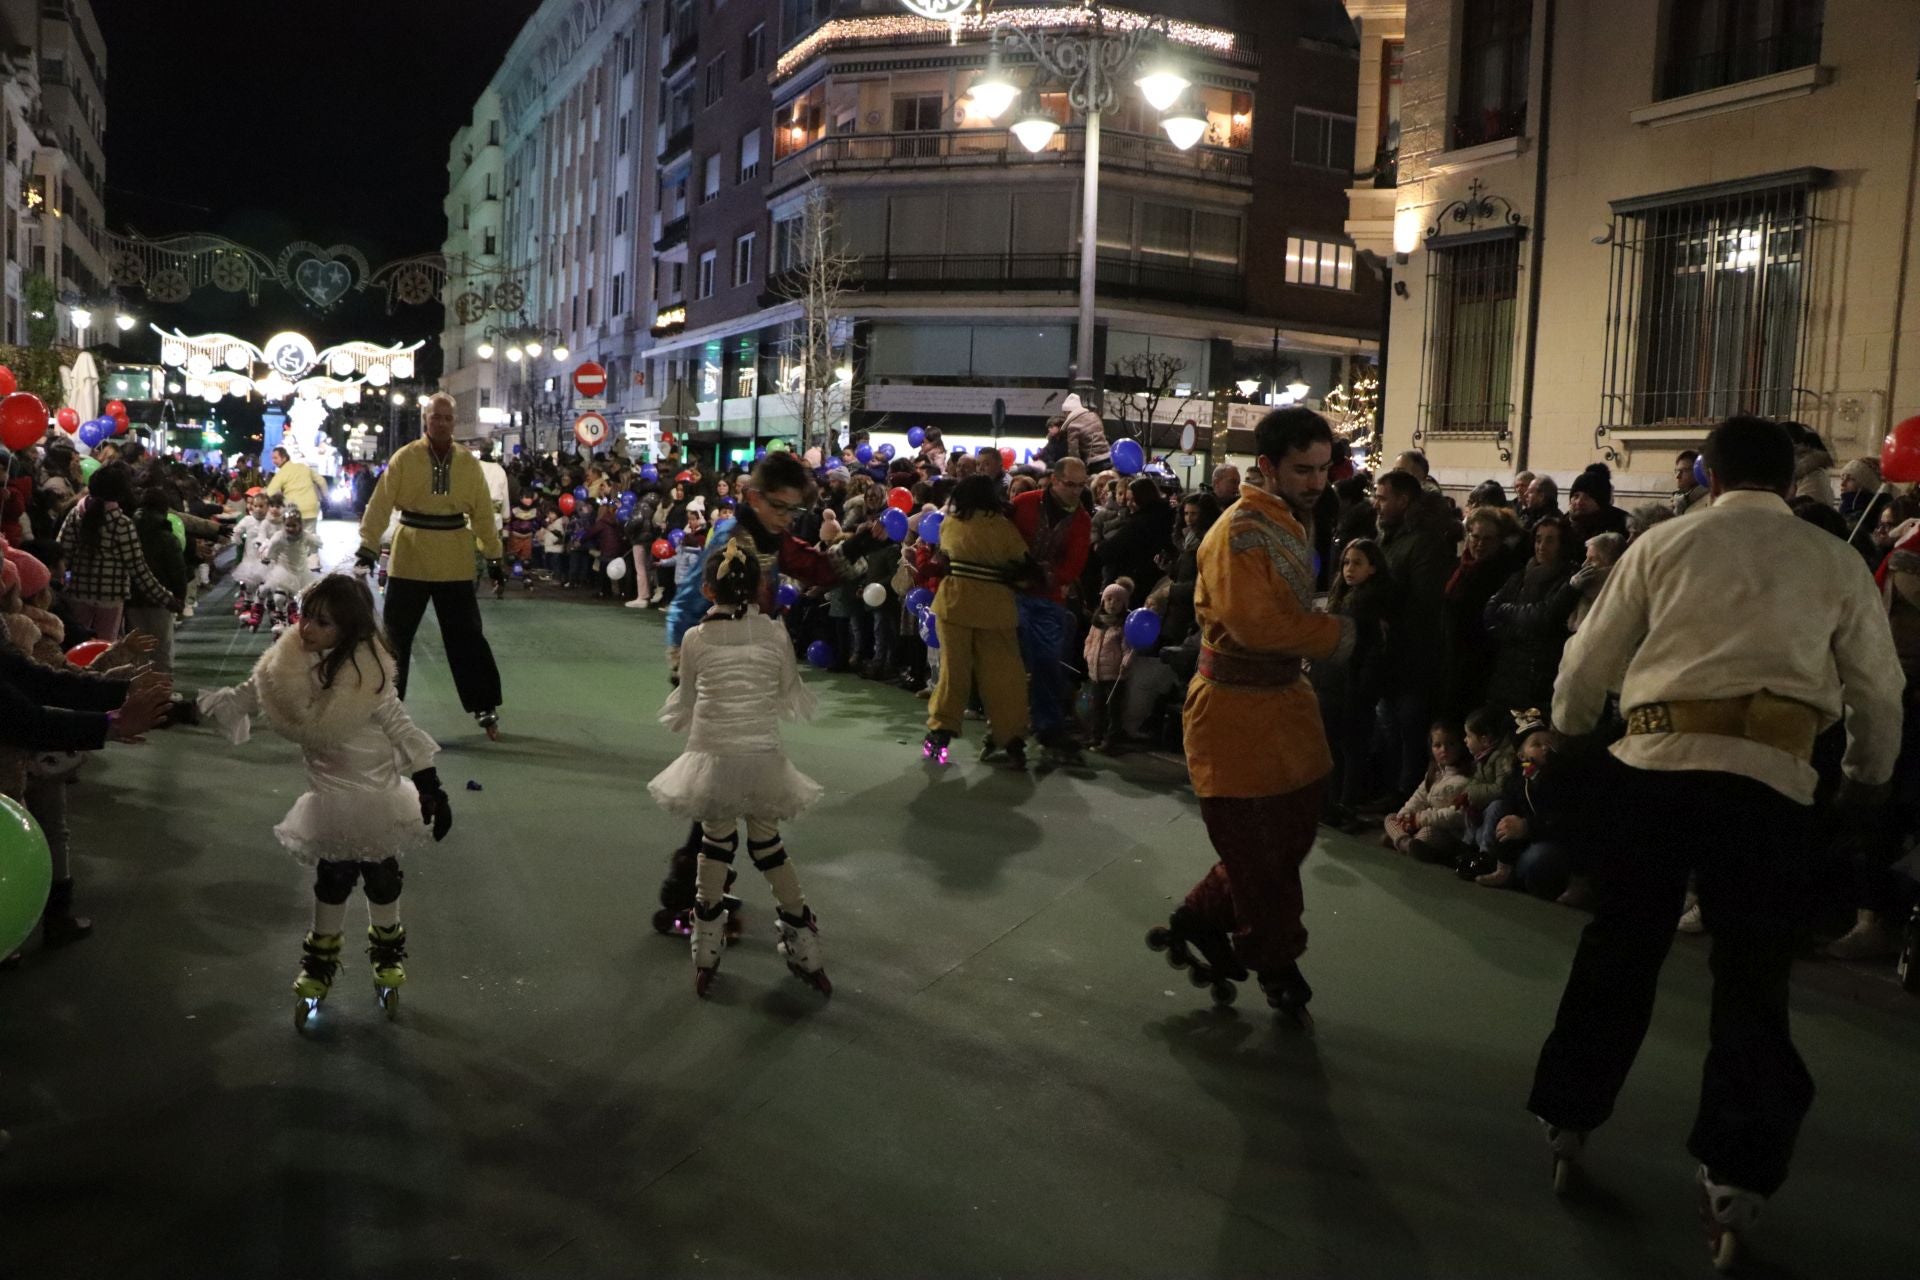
(328, 917)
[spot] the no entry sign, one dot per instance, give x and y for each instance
(589, 379)
(591, 430)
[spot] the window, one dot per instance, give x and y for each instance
(1495, 38)
(679, 274)
(707, 259)
(1471, 291)
(716, 78)
(680, 109)
(593, 315)
(753, 51)
(712, 183)
(800, 123)
(1709, 303)
(493, 133)
(466, 216)
(787, 244)
(1322, 140)
(743, 260)
(620, 134)
(1319, 262)
(620, 214)
(921, 113)
(750, 156)
(490, 246)
(618, 297)
(797, 17)
(486, 397)
(1711, 43)
(490, 192)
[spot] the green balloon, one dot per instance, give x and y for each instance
(88, 466)
(179, 529)
(26, 874)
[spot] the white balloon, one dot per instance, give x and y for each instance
(616, 569)
(875, 595)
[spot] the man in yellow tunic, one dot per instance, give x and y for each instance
(1255, 746)
(445, 508)
(295, 482)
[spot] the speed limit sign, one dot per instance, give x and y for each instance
(591, 430)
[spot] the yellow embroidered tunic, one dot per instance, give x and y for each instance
(1254, 602)
(444, 507)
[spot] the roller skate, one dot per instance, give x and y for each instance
(255, 614)
(386, 948)
(799, 946)
(1205, 953)
(708, 940)
(938, 748)
(1060, 750)
(489, 722)
(319, 961)
(1729, 1215)
(1566, 1147)
(1287, 991)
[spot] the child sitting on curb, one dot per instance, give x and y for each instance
(1520, 830)
(1432, 824)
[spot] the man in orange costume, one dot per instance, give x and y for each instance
(1255, 747)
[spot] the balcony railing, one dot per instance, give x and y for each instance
(996, 148)
(1698, 73)
(677, 142)
(1035, 272)
(670, 235)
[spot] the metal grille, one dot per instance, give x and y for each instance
(1708, 308)
(1472, 291)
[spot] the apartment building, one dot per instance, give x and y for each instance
(477, 282)
(1227, 263)
(19, 108)
(1616, 223)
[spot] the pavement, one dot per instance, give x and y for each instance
(1004, 1082)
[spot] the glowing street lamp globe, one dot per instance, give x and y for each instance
(1035, 128)
(1185, 125)
(125, 321)
(560, 353)
(939, 10)
(484, 351)
(533, 350)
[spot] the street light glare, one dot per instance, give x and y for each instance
(993, 93)
(513, 355)
(125, 321)
(1162, 86)
(533, 350)
(1185, 126)
(1035, 129)
(398, 398)
(484, 351)
(560, 353)
(81, 317)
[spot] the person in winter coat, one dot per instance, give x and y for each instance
(1420, 554)
(1528, 620)
(1812, 464)
(1432, 823)
(1079, 433)
(1133, 547)
(1603, 552)
(1486, 562)
(1590, 508)
(1523, 832)
(1350, 692)
(1543, 502)
(1688, 492)
(103, 551)
(160, 548)
(1107, 658)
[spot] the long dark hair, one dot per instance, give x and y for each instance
(977, 495)
(733, 575)
(1375, 557)
(111, 483)
(348, 605)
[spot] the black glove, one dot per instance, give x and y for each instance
(497, 570)
(366, 558)
(435, 810)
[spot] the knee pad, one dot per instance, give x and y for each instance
(383, 881)
(333, 882)
(767, 854)
(720, 850)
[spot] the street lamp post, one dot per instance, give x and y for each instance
(1092, 64)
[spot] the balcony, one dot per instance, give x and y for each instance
(673, 233)
(997, 149)
(1177, 282)
(676, 54)
(678, 143)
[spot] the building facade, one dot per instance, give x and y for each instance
(1617, 223)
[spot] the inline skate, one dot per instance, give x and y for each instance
(319, 961)
(799, 946)
(1205, 953)
(1287, 991)
(679, 889)
(938, 748)
(386, 948)
(1729, 1214)
(708, 940)
(1566, 1146)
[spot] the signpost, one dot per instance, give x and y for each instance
(589, 379)
(591, 430)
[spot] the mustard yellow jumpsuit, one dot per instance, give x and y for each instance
(978, 623)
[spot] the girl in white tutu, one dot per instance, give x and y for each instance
(327, 685)
(738, 680)
(289, 557)
(251, 534)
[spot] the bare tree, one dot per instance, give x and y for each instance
(1142, 385)
(819, 342)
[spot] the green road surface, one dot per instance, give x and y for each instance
(1005, 1081)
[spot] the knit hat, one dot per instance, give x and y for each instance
(33, 575)
(1115, 599)
(1527, 723)
(1597, 483)
(1864, 472)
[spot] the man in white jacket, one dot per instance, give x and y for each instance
(1735, 637)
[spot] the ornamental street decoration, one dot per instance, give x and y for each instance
(286, 366)
(170, 269)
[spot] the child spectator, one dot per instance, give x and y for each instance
(1432, 824)
(1363, 591)
(1107, 659)
(1493, 764)
(1520, 830)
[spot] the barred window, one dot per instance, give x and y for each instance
(1319, 262)
(1708, 303)
(1473, 287)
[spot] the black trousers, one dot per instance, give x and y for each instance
(333, 881)
(457, 606)
(1748, 847)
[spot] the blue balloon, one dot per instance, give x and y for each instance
(886, 452)
(929, 630)
(916, 436)
(760, 455)
(1142, 628)
(676, 537)
(895, 523)
(1128, 457)
(91, 434)
(786, 595)
(650, 473)
(519, 569)
(917, 599)
(1700, 470)
(863, 453)
(580, 493)
(930, 528)
(820, 654)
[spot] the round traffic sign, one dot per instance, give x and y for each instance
(589, 379)
(591, 430)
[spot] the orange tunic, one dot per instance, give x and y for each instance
(1254, 599)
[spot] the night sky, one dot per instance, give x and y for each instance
(270, 123)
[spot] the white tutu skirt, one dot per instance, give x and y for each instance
(353, 826)
(704, 787)
(292, 581)
(250, 573)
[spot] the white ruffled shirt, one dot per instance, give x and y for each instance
(1739, 597)
(727, 669)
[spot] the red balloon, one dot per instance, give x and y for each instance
(566, 504)
(85, 655)
(662, 549)
(900, 499)
(114, 409)
(23, 418)
(1900, 454)
(7, 384)
(69, 420)
(121, 426)
(1006, 458)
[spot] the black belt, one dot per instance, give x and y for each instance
(427, 520)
